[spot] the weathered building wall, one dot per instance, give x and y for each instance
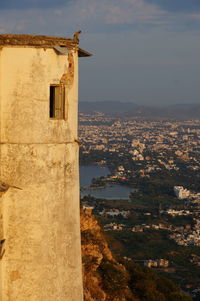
(39, 217)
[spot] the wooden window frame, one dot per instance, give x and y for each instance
(57, 102)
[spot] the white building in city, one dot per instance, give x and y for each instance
(181, 193)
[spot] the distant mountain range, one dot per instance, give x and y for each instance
(127, 109)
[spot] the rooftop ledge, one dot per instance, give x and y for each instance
(40, 41)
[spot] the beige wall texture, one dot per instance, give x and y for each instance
(40, 259)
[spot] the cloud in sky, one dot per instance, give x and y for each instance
(133, 12)
(177, 5)
(29, 4)
(91, 15)
(35, 16)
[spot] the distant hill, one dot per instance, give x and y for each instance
(177, 111)
(107, 107)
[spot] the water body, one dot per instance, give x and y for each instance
(87, 173)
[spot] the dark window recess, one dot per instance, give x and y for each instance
(57, 103)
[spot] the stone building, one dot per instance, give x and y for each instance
(40, 258)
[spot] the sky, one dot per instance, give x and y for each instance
(144, 51)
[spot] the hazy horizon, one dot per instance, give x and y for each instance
(140, 104)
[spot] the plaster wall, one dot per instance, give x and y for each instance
(39, 216)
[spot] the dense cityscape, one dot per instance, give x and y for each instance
(161, 160)
(160, 144)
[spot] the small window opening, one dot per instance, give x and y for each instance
(57, 102)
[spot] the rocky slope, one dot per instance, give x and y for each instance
(104, 278)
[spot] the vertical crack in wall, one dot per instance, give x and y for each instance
(67, 81)
(67, 78)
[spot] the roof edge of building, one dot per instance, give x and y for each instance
(42, 41)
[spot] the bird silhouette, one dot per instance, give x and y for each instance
(76, 35)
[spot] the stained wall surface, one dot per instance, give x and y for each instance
(39, 213)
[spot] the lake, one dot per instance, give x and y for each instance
(87, 173)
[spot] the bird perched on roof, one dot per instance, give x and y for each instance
(4, 187)
(76, 35)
